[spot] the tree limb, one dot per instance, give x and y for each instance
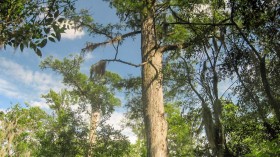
(186, 44)
(91, 46)
(94, 29)
(125, 62)
(247, 41)
(200, 24)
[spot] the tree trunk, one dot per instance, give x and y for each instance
(152, 93)
(209, 126)
(94, 120)
(271, 99)
(219, 131)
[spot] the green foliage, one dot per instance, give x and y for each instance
(179, 133)
(248, 135)
(265, 149)
(30, 24)
(111, 143)
(97, 91)
(20, 128)
(138, 149)
(179, 35)
(66, 133)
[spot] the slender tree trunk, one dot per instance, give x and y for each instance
(152, 93)
(271, 99)
(208, 124)
(219, 130)
(217, 108)
(94, 120)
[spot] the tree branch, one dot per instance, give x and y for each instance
(94, 29)
(247, 41)
(200, 24)
(190, 82)
(91, 46)
(186, 44)
(125, 62)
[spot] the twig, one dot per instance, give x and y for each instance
(125, 62)
(228, 88)
(200, 24)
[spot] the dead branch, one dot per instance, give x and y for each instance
(91, 46)
(124, 62)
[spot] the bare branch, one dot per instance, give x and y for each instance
(95, 30)
(91, 46)
(125, 62)
(200, 24)
(228, 88)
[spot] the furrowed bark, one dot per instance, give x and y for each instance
(152, 92)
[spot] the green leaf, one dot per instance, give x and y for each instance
(51, 39)
(32, 45)
(60, 20)
(43, 43)
(21, 46)
(56, 14)
(53, 35)
(58, 36)
(47, 30)
(38, 52)
(49, 21)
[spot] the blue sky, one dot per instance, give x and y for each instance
(21, 79)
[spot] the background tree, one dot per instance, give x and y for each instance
(96, 90)
(245, 51)
(66, 133)
(20, 128)
(180, 140)
(252, 48)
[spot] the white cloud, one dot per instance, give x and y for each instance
(8, 89)
(16, 70)
(16, 81)
(131, 136)
(42, 104)
(73, 34)
(88, 56)
(116, 120)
